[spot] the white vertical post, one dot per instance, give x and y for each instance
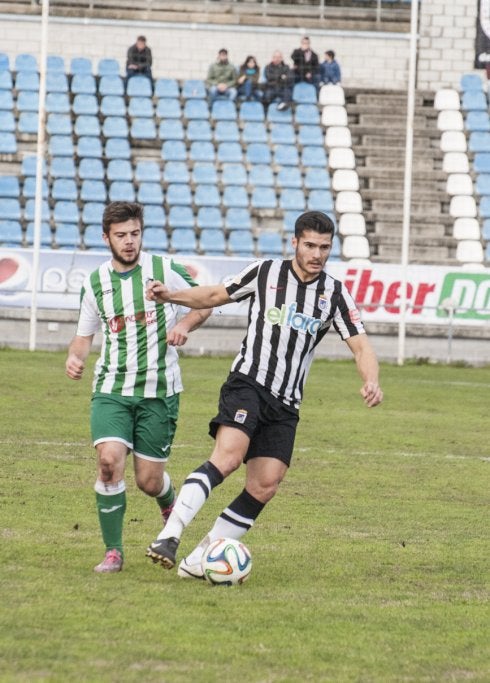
(39, 172)
(407, 185)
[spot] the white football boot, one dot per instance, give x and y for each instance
(190, 571)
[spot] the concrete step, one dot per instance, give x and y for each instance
(392, 160)
(421, 255)
(398, 174)
(397, 184)
(425, 196)
(385, 228)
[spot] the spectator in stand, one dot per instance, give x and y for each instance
(248, 80)
(278, 82)
(329, 69)
(221, 78)
(139, 59)
(306, 65)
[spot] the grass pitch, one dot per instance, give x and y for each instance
(370, 565)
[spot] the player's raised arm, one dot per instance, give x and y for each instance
(206, 296)
(368, 368)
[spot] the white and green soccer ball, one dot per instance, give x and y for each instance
(226, 562)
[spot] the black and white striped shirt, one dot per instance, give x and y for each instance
(287, 318)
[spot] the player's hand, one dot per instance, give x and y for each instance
(157, 291)
(177, 336)
(74, 367)
(372, 394)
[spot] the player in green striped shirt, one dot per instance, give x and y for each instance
(137, 378)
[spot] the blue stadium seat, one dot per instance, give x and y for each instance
(28, 123)
(233, 174)
(147, 171)
(308, 114)
(67, 236)
(89, 147)
(289, 176)
(481, 162)
(46, 234)
(143, 129)
(310, 135)
(479, 142)
(209, 217)
(92, 213)
(223, 110)
(87, 125)
(229, 152)
(482, 185)
(184, 241)
(139, 86)
(80, 65)
(6, 82)
(304, 93)
(9, 186)
(9, 209)
(474, 100)
(111, 85)
(66, 212)
(258, 153)
(240, 243)
(260, 175)
(226, 131)
(30, 210)
(141, 107)
(237, 219)
(56, 82)
(194, 89)
(115, 127)
(25, 62)
(119, 169)
(168, 108)
(484, 208)
(57, 103)
(55, 63)
(176, 172)
(121, 191)
(212, 242)
(289, 219)
(7, 122)
(92, 237)
(320, 200)
(207, 195)
(4, 62)
(180, 217)
(316, 178)
(6, 100)
(269, 244)
(274, 115)
(235, 196)
(83, 84)
(86, 105)
(286, 155)
(199, 129)
(28, 100)
(64, 188)
(8, 143)
(314, 156)
(150, 193)
(29, 188)
(108, 67)
(27, 80)
(251, 111)
(155, 239)
(254, 131)
(29, 166)
(471, 82)
(292, 200)
(91, 169)
(282, 134)
(263, 198)
(201, 151)
(477, 120)
(486, 230)
(171, 129)
(59, 124)
(113, 105)
(62, 167)
(167, 88)
(10, 233)
(196, 109)
(61, 146)
(155, 216)
(204, 172)
(174, 150)
(93, 191)
(178, 194)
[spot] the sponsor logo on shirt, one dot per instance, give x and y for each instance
(287, 316)
(119, 322)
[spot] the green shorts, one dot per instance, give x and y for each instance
(146, 425)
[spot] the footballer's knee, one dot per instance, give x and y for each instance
(110, 463)
(151, 486)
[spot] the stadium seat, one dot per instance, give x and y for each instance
(321, 200)
(482, 184)
(64, 188)
(251, 111)
(9, 209)
(315, 156)
(10, 233)
(254, 131)
(334, 115)
(29, 166)
(180, 217)
(223, 110)
(206, 195)
(240, 243)
(25, 62)
(122, 190)
(27, 124)
(7, 122)
(235, 196)
(175, 172)
(155, 216)
(111, 85)
(80, 65)
(339, 157)
(93, 191)
(471, 82)
(4, 62)
(143, 129)
(27, 80)
(6, 82)
(30, 210)
(352, 224)
(56, 82)
(66, 212)
(141, 108)
(331, 94)
(194, 88)
(8, 143)
(477, 120)
(155, 239)
(9, 186)
(62, 167)
(292, 200)
(199, 130)
(55, 63)
(226, 131)
(260, 175)
(478, 142)
(150, 193)
(201, 151)
(461, 183)
(209, 217)
(282, 134)
(258, 153)
(473, 100)
(171, 129)
(115, 127)
(355, 247)
(462, 206)
(119, 169)
(89, 147)
(57, 103)
(113, 105)
(184, 241)
(449, 119)
(92, 213)
(457, 162)
(485, 229)
(28, 101)
(316, 178)
(229, 152)
(91, 169)
(469, 251)
(108, 67)
(67, 236)
(263, 198)
(85, 104)
(61, 146)
(92, 237)
(196, 109)
(147, 171)
(237, 219)
(168, 108)
(275, 115)
(46, 236)
(178, 194)
(167, 88)
(466, 228)
(345, 179)
(307, 114)
(29, 188)
(338, 136)
(6, 100)
(139, 86)
(286, 155)
(233, 174)
(117, 148)
(289, 219)
(310, 135)
(483, 209)
(304, 93)
(348, 202)
(174, 150)
(212, 242)
(481, 163)
(87, 125)
(204, 172)
(270, 244)
(83, 84)
(446, 98)
(289, 176)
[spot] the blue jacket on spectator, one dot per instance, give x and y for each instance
(330, 69)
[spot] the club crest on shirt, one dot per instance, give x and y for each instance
(241, 416)
(322, 302)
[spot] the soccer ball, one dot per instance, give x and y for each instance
(226, 562)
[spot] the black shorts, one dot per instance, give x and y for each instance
(270, 424)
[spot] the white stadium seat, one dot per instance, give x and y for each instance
(459, 183)
(462, 207)
(453, 141)
(355, 247)
(466, 229)
(338, 136)
(447, 98)
(352, 224)
(334, 115)
(345, 179)
(331, 94)
(450, 119)
(341, 157)
(348, 202)
(455, 162)
(469, 251)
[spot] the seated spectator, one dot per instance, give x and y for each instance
(139, 59)
(306, 65)
(221, 78)
(329, 69)
(248, 80)
(278, 82)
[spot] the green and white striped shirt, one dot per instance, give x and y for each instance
(135, 359)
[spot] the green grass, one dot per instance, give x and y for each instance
(370, 565)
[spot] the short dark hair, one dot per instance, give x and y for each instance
(223, 51)
(330, 53)
(120, 212)
(142, 38)
(314, 220)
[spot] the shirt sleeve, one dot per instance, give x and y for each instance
(178, 277)
(347, 319)
(89, 320)
(244, 284)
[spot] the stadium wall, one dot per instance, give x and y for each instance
(368, 59)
